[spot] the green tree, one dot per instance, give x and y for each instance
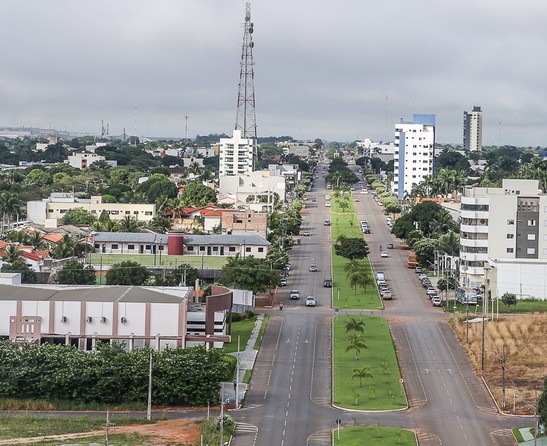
(19, 266)
(10, 207)
(509, 299)
(351, 248)
(64, 249)
(355, 325)
(361, 374)
(249, 273)
(74, 273)
(77, 216)
(129, 224)
(542, 405)
(356, 342)
(127, 273)
(196, 194)
(37, 177)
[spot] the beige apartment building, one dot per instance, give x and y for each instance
(49, 210)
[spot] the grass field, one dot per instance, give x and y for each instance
(374, 435)
(522, 307)
(242, 330)
(524, 339)
(347, 298)
(344, 221)
(165, 260)
(381, 392)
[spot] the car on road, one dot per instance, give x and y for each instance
(313, 268)
(390, 246)
(418, 270)
(306, 233)
(386, 294)
(311, 301)
(380, 275)
(295, 294)
(283, 282)
(356, 199)
(436, 301)
(431, 291)
(366, 230)
(384, 254)
(327, 282)
(326, 223)
(327, 204)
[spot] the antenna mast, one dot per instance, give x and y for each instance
(246, 116)
(186, 129)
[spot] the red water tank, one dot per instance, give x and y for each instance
(175, 242)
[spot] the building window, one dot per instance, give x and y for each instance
(130, 246)
(202, 249)
(509, 250)
(531, 236)
(510, 221)
(510, 235)
(260, 249)
(135, 212)
(114, 246)
(247, 249)
(531, 251)
(148, 247)
(215, 248)
(148, 213)
(51, 211)
(531, 222)
(161, 248)
(189, 248)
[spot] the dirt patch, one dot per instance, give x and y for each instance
(166, 432)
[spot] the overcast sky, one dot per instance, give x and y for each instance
(337, 70)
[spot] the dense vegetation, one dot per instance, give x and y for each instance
(112, 375)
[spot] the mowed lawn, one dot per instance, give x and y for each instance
(346, 297)
(344, 221)
(215, 262)
(374, 435)
(382, 391)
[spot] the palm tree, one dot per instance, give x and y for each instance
(361, 374)
(357, 325)
(12, 254)
(10, 206)
(36, 241)
(64, 249)
(129, 224)
(357, 343)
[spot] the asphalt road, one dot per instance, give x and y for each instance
(288, 402)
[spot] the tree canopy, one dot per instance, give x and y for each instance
(127, 273)
(249, 273)
(75, 273)
(351, 248)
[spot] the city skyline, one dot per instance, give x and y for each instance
(322, 70)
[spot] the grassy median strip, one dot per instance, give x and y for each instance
(345, 296)
(366, 378)
(377, 435)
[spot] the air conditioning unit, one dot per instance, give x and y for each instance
(89, 319)
(124, 320)
(64, 319)
(103, 319)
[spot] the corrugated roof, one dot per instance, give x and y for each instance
(94, 293)
(128, 237)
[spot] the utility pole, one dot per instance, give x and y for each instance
(149, 405)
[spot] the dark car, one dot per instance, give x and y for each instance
(390, 246)
(327, 282)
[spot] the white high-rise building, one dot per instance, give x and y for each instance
(503, 233)
(415, 144)
(236, 155)
(472, 129)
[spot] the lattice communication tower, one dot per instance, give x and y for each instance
(246, 115)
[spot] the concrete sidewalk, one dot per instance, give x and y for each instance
(246, 361)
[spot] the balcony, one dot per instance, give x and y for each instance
(479, 215)
(473, 257)
(472, 229)
(474, 243)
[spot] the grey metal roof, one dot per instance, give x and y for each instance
(223, 239)
(94, 293)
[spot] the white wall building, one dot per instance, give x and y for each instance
(236, 155)
(504, 230)
(415, 142)
(258, 183)
(49, 210)
(472, 129)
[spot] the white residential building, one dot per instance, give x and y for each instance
(415, 142)
(255, 189)
(236, 155)
(504, 233)
(49, 210)
(84, 160)
(472, 129)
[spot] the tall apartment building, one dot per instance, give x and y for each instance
(236, 155)
(472, 129)
(414, 150)
(503, 234)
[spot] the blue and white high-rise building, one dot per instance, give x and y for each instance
(414, 153)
